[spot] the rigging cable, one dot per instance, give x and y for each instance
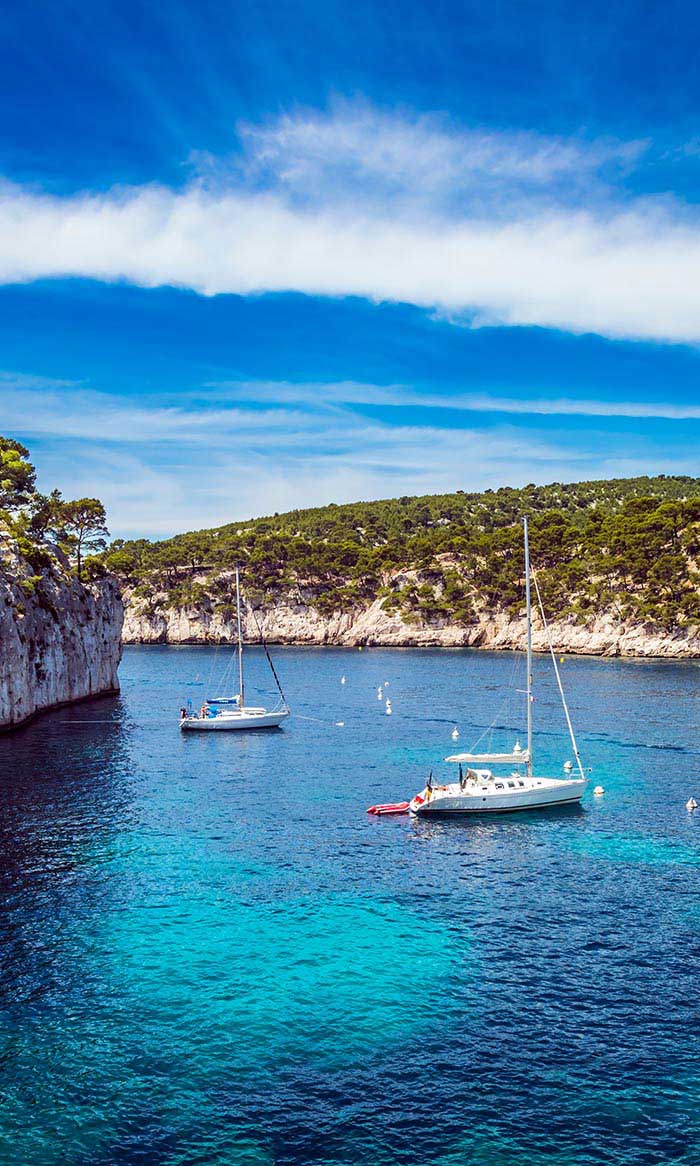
(503, 710)
(269, 658)
(556, 673)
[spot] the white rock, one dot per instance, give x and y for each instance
(292, 619)
(58, 645)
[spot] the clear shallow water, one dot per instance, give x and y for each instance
(211, 954)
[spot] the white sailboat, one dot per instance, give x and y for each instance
(231, 712)
(479, 790)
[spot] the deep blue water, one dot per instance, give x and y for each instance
(212, 954)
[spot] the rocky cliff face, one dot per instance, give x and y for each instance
(294, 620)
(60, 640)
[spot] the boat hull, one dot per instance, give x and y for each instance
(550, 792)
(233, 722)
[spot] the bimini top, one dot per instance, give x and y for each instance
(519, 757)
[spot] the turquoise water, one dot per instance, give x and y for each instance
(211, 953)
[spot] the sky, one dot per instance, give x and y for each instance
(259, 256)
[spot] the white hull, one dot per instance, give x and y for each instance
(480, 791)
(535, 793)
(237, 719)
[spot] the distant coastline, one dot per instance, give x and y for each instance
(291, 623)
(618, 564)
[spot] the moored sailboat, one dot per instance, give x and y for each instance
(478, 790)
(231, 712)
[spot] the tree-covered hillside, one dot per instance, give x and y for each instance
(628, 545)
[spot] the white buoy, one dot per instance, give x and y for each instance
(455, 733)
(691, 804)
(388, 710)
(568, 766)
(598, 791)
(386, 683)
(342, 680)
(380, 694)
(339, 724)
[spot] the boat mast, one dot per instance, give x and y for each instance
(240, 640)
(529, 650)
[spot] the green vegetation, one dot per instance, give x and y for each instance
(630, 546)
(17, 474)
(44, 529)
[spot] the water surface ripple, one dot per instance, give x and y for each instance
(211, 954)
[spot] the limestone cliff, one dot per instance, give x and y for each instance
(60, 640)
(292, 618)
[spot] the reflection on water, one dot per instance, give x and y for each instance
(211, 954)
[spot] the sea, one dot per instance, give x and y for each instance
(211, 954)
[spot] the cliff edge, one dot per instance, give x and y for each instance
(293, 618)
(60, 640)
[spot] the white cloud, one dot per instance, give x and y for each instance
(257, 415)
(144, 496)
(163, 470)
(490, 228)
(402, 396)
(39, 410)
(159, 499)
(360, 152)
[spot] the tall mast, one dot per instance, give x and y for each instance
(240, 640)
(529, 650)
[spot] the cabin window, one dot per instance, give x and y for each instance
(521, 783)
(511, 785)
(499, 785)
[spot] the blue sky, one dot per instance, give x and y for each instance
(256, 256)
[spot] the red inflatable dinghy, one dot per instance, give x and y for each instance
(389, 808)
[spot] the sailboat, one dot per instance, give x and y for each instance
(478, 790)
(231, 712)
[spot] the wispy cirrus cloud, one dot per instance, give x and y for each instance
(405, 396)
(255, 412)
(243, 448)
(357, 152)
(76, 412)
(496, 228)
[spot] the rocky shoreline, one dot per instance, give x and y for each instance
(296, 623)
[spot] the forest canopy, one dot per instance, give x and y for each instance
(627, 545)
